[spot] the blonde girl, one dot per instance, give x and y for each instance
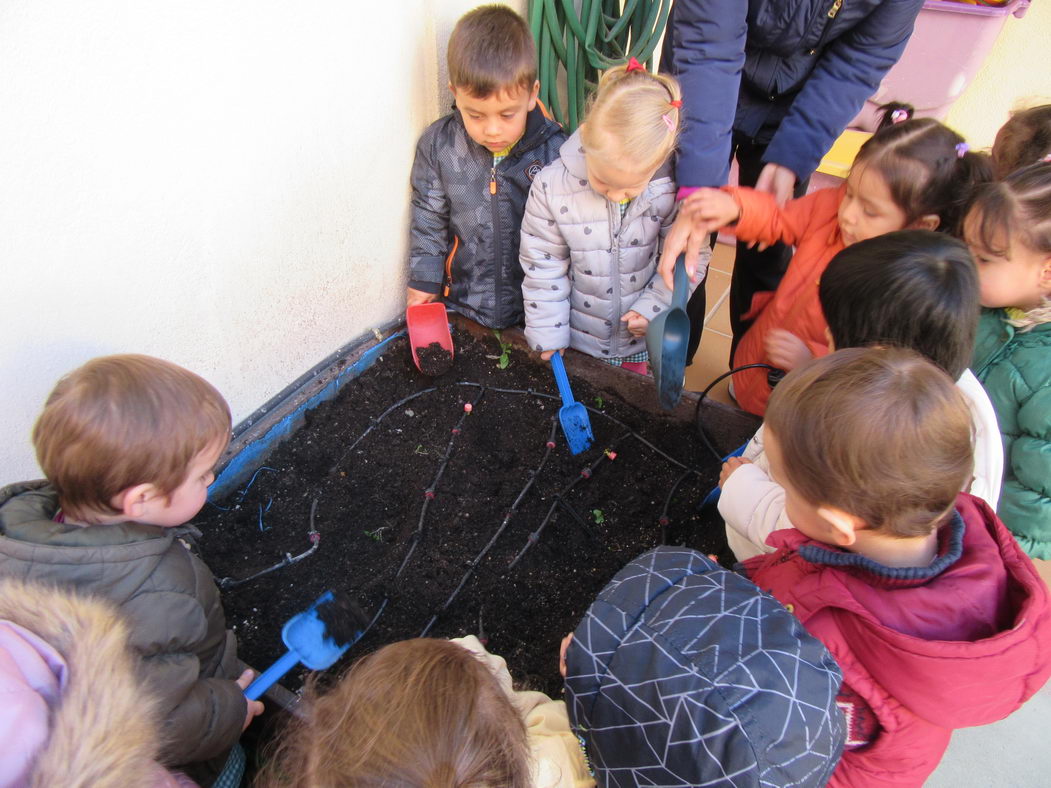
(428, 713)
(595, 220)
(1009, 232)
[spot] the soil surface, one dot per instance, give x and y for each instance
(434, 359)
(410, 488)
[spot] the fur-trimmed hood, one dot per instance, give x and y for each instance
(102, 730)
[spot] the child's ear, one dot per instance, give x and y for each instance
(929, 221)
(534, 94)
(1045, 276)
(134, 502)
(842, 525)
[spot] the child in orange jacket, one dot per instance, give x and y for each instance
(915, 174)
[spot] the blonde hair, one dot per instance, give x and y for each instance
(880, 433)
(119, 421)
(634, 117)
(424, 713)
(490, 51)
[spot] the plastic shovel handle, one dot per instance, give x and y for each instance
(271, 675)
(562, 379)
(680, 295)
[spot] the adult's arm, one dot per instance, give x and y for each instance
(848, 73)
(708, 39)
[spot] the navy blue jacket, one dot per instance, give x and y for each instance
(795, 75)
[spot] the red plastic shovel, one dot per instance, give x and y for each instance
(429, 324)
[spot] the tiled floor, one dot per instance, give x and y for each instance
(713, 354)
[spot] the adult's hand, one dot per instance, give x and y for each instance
(683, 236)
(778, 181)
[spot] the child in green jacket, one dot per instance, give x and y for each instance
(1009, 232)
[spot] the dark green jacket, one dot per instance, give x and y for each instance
(166, 594)
(1015, 368)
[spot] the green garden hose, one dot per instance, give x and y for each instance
(583, 42)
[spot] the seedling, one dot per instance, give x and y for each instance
(598, 516)
(420, 450)
(503, 361)
(376, 535)
(599, 402)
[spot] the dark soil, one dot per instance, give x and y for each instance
(434, 359)
(399, 538)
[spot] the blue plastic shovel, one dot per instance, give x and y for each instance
(572, 415)
(667, 340)
(308, 641)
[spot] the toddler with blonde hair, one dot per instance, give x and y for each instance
(595, 220)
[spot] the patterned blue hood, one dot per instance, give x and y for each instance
(685, 674)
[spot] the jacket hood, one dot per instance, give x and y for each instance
(99, 728)
(683, 674)
(954, 682)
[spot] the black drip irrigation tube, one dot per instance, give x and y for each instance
(429, 493)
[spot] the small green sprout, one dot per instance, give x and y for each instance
(503, 361)
(598, 516)
(376, 535)
(599, 402)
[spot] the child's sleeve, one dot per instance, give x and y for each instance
(201, 716)
(1025, 501)
(752, 504)
(544, 256)
(429, 240)
(764, 221)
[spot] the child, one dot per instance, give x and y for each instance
(1025, 139)
(428, 712)
(937, 618)
(1009, 232)
(74, 711)
(915, 174)
(684, 674)
(595, 219)
(913, 289)
(473, 169)
(128, 444)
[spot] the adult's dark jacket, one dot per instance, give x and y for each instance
(787, 73)
(467, 216)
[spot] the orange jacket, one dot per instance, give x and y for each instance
(811, 225)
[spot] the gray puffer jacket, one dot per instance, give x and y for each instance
(584, 265)
(466, 215)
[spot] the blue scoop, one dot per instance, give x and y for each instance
(308, 641)
(667, 340)
(573, 416)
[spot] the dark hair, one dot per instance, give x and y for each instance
(491, 50)
(1020, 205)
(913, 289)
(928, 169)
(1025, 139)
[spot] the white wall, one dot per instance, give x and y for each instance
(223, 184)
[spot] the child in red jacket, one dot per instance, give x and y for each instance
(917, 174)
(937, 618)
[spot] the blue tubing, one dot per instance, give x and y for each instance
(272, 675)
(562, 379)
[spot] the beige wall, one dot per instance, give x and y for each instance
(221, 183)
(1016, 74)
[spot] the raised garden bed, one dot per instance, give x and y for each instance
(445, 522)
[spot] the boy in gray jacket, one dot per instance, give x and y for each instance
(128, 444)
(473, 169)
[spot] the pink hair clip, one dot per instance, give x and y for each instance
(1046, 159)
(961, 149)
(666, 117)
(899, 115)
(634, 65)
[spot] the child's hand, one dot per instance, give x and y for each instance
(547, 354)
(414, 297)
(562, 653)
(711, 209)
(785, 350)
(255, 707)
(636, 323)
(729, 467)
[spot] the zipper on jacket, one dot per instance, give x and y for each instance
(449, 266)
(616, 225)
(497, 261)
(836, 5)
